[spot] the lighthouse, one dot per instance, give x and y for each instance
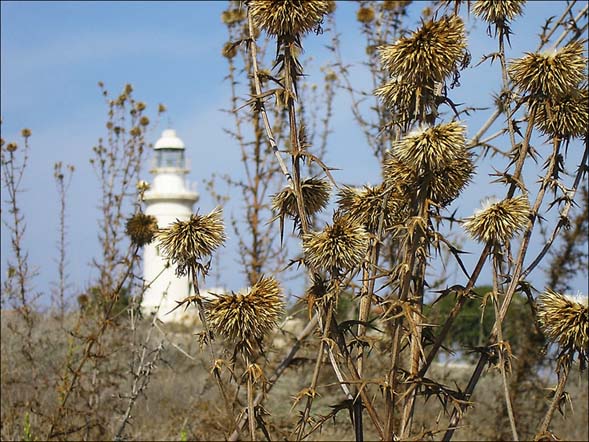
(169, 198)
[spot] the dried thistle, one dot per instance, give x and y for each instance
(141, 228)
(288, 17)
(393, 5)
(232, 16)
(399, 175)
(339, 247)
(245, 318)
(404, 99)
(551, 73)
(445, 184)
(498, 222)
(498, 11)
(315, 197)
(429, 149)
(185, 243)
(430, 54)
(366, 205)
(566, 116)
(365, 15)
(565, 322)
(229, 50)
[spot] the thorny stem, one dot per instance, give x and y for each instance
(416, 349)
(573, 26)
(278, 371)
(260, 104)
(515, 279)
(209, 341)
(563, 215)
(409, 258)
(562, 380)
(317, 369)
(500, 348)
(250, 403)
(367, 292)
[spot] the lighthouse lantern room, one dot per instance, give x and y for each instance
(168, 199)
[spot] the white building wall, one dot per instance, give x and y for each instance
(167, 283)
(169, 199)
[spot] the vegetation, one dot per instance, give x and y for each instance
(394, 337)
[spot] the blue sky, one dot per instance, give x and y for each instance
(53, 54)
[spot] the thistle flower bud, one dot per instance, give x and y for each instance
(432, 148)
(430, 54)
(498, 12)
(247, 317)
(365, 15)
(288, 17)
(366, 205)
(550, 74)
(563, 117)
(141, 229)
(339, 247)
(445, 184)
(401, 97)
(185, 243)
(565, 322)
(498, 222)
(315, 197)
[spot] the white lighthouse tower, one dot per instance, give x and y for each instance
(168, 199)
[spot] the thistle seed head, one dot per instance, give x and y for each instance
(338, 248)
(401, 97)
(288, 17)
(564, 117)
(565, 322)
(397, 174)
(550, 74)
(445, 184)
(365, 15)
(315, 198)
(366, 205)
(246, 317)
(141, 228)
(432, 148)
(430, 54)
(498, 11)
(394, 5)
(498, 222)
(185, 243)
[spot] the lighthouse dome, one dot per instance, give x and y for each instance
(169, 140)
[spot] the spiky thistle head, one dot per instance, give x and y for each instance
(366, 205)
(401, 97)
(315, 197)
(498, 222)
(445, 184)
(365, 14)
(551, 73)
(246, 317)
(432, 148)
(398, 175)
(564, 117)
(339, 247)
(565, 322)
(498, 11)
(185, 243)
(430, 54)
(141, 228)
(288, 17)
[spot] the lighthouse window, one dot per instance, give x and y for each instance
(170, 158)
